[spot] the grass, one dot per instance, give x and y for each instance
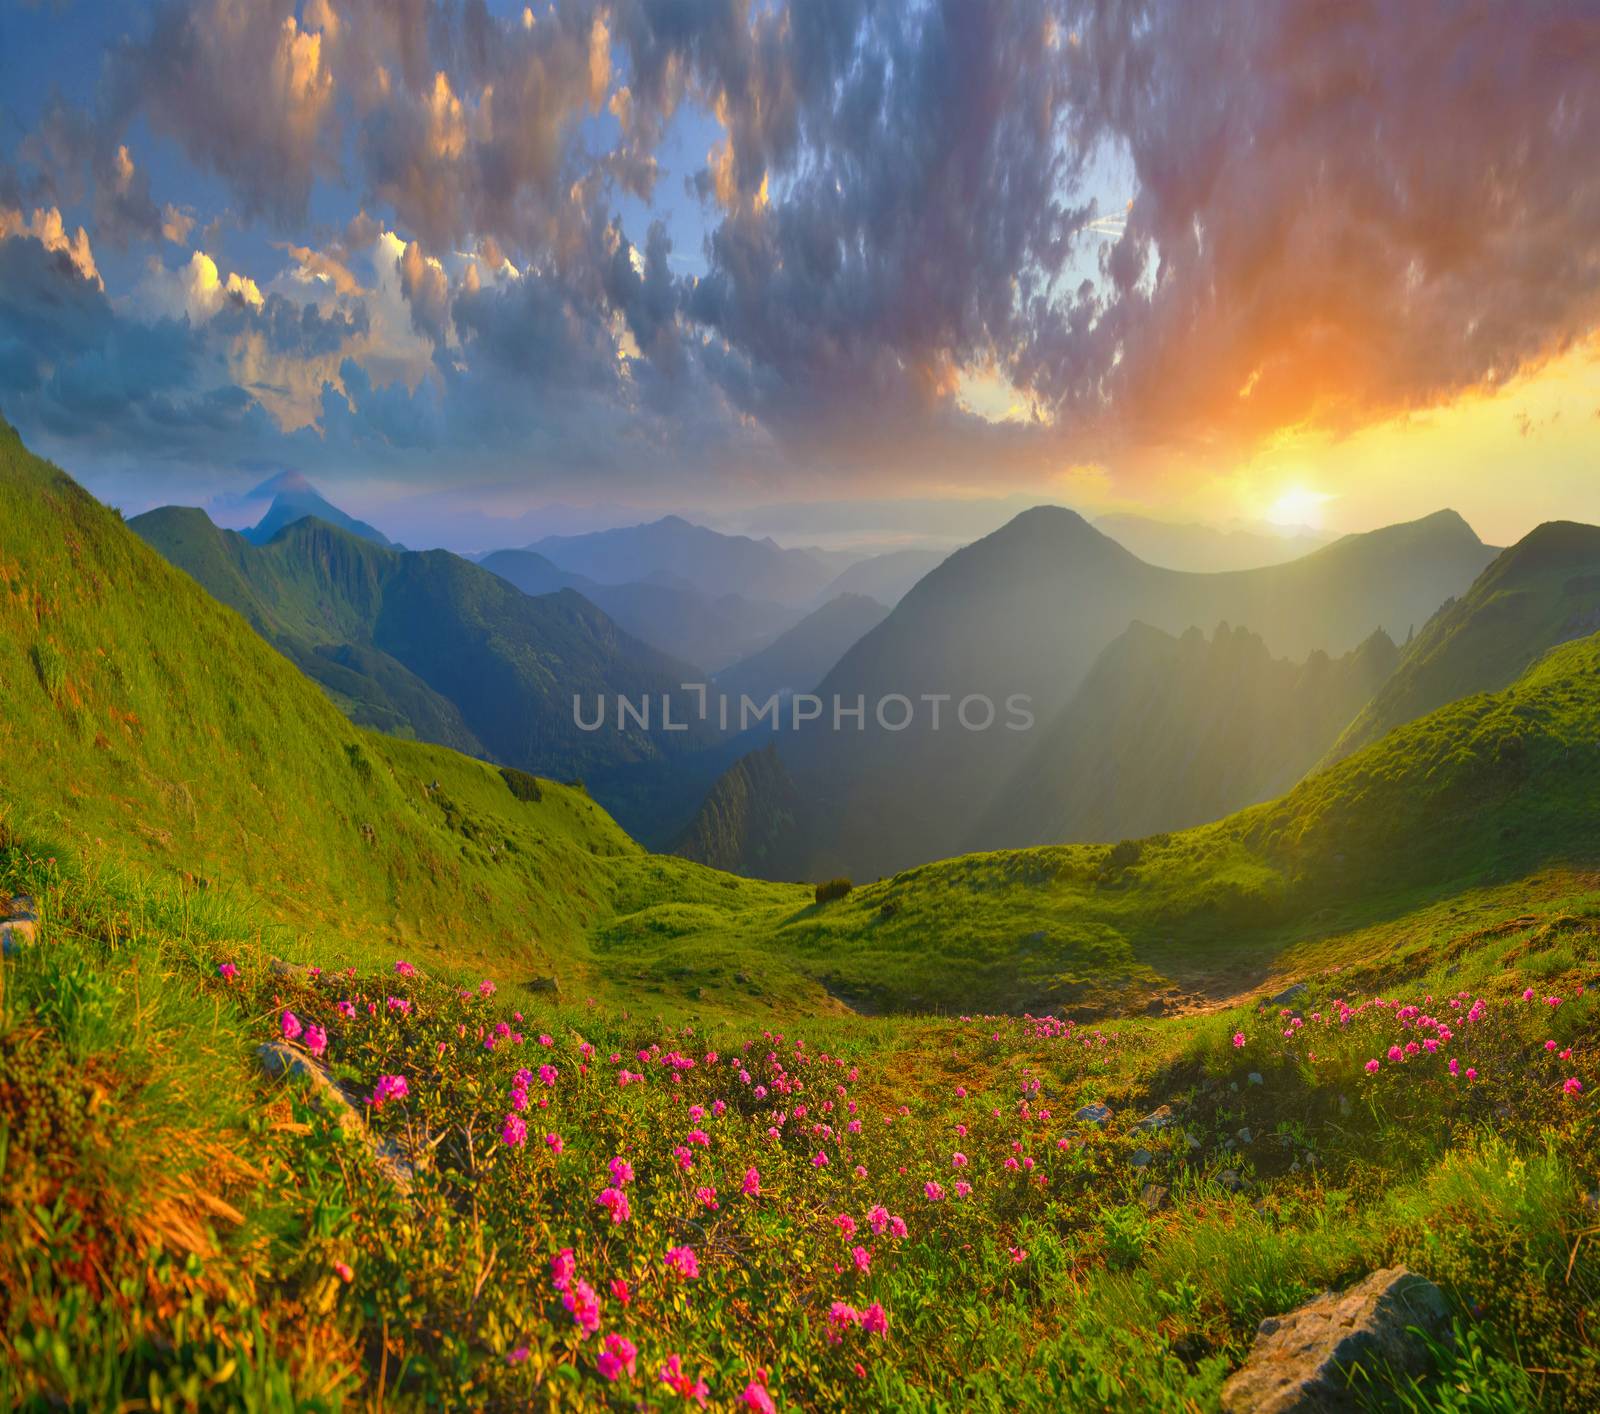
(173, 1222)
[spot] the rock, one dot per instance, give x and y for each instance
(1245, 1136)
(293, 971)
(16, 934)
(19, 925)
(1157, 1119)
(1093, 1114)
(1288, 995)
(1255, 1078)
(742, 978)
(1230, 1181)
(279, 1058)
(1301, 1362)
(543, 984)
(1141, 1158)
(1154, 1196)
(1155, 1006)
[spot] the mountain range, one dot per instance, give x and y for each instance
(671, 614)
(1022, 614)
(1166, 732)
(424, 643)
(1208, 549)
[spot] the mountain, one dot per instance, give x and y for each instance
(1207, 549)
(1543, 591)
(796, 661)
(430, 644)
(886, 578)
(664, 611)
(1012, 623)
(170, 749)
(713, 563)
(750, 822)
(294, 498)
(161, 735)
(1166, 732)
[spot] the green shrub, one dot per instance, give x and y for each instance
(521, 784)
(834, 888)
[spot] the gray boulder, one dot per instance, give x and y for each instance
(1093, 1114)
(1301, 1363)
(280, 1059)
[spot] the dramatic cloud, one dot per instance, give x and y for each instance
(912, 243)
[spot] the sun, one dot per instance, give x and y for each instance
(1299, 505)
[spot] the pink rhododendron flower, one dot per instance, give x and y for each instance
(227, 971)
(621, 1171)
(316, 1039)
(344, 1272)
(1238, 1038)
(934, 1191)
(1574, 1086)
(562, 1266)
(405, 969)
(672, 1375)
(756, 1397)
(554, 1142)
(514, 1131)
(683, 1261)
(751, 1187)
(517, 1356)
(874, 1320)
(617, 1357)
(584, 1305)
(389, 1087)
(289, 1024)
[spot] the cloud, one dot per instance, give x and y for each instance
(1342, 212)
(1140, 230)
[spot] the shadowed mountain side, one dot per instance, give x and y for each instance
(1543, 591)
(800, 658)
(432, 645)
(1169, 732)
(1025, 612)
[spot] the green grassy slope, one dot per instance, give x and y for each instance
(157, 730)
(1168, 732)
(1542, 591)
(145, 724)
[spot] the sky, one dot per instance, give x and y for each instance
(824, 269)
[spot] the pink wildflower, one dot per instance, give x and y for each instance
(227, 971)
(617, 1357)
(289, 1024)
(514, 1131)
(316, 1039)
(683, 1261)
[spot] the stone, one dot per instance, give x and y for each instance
(280, 1058)
(1245, 1136)
(1098, 1115)
(291, 971)
(19, 925)
(1157, 1119)
(543, 984)
(1255, 1078)
(1154, 1196)
(1289, 995)
(1230, 1181)
(1141, 1158)
(1300, 1363)
(16, 934)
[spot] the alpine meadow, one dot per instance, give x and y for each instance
(781, 706)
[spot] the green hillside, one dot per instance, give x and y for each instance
(159, 732)
(431, 645)
(1542, 591)
(1168, 732)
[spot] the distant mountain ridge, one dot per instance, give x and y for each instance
(1206, 549)
(1541, 592)
(714, 563)
(294, 498)
(425, 643)
(664, 611)
(798, 659)
(1166, 732)
(1024, 612)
